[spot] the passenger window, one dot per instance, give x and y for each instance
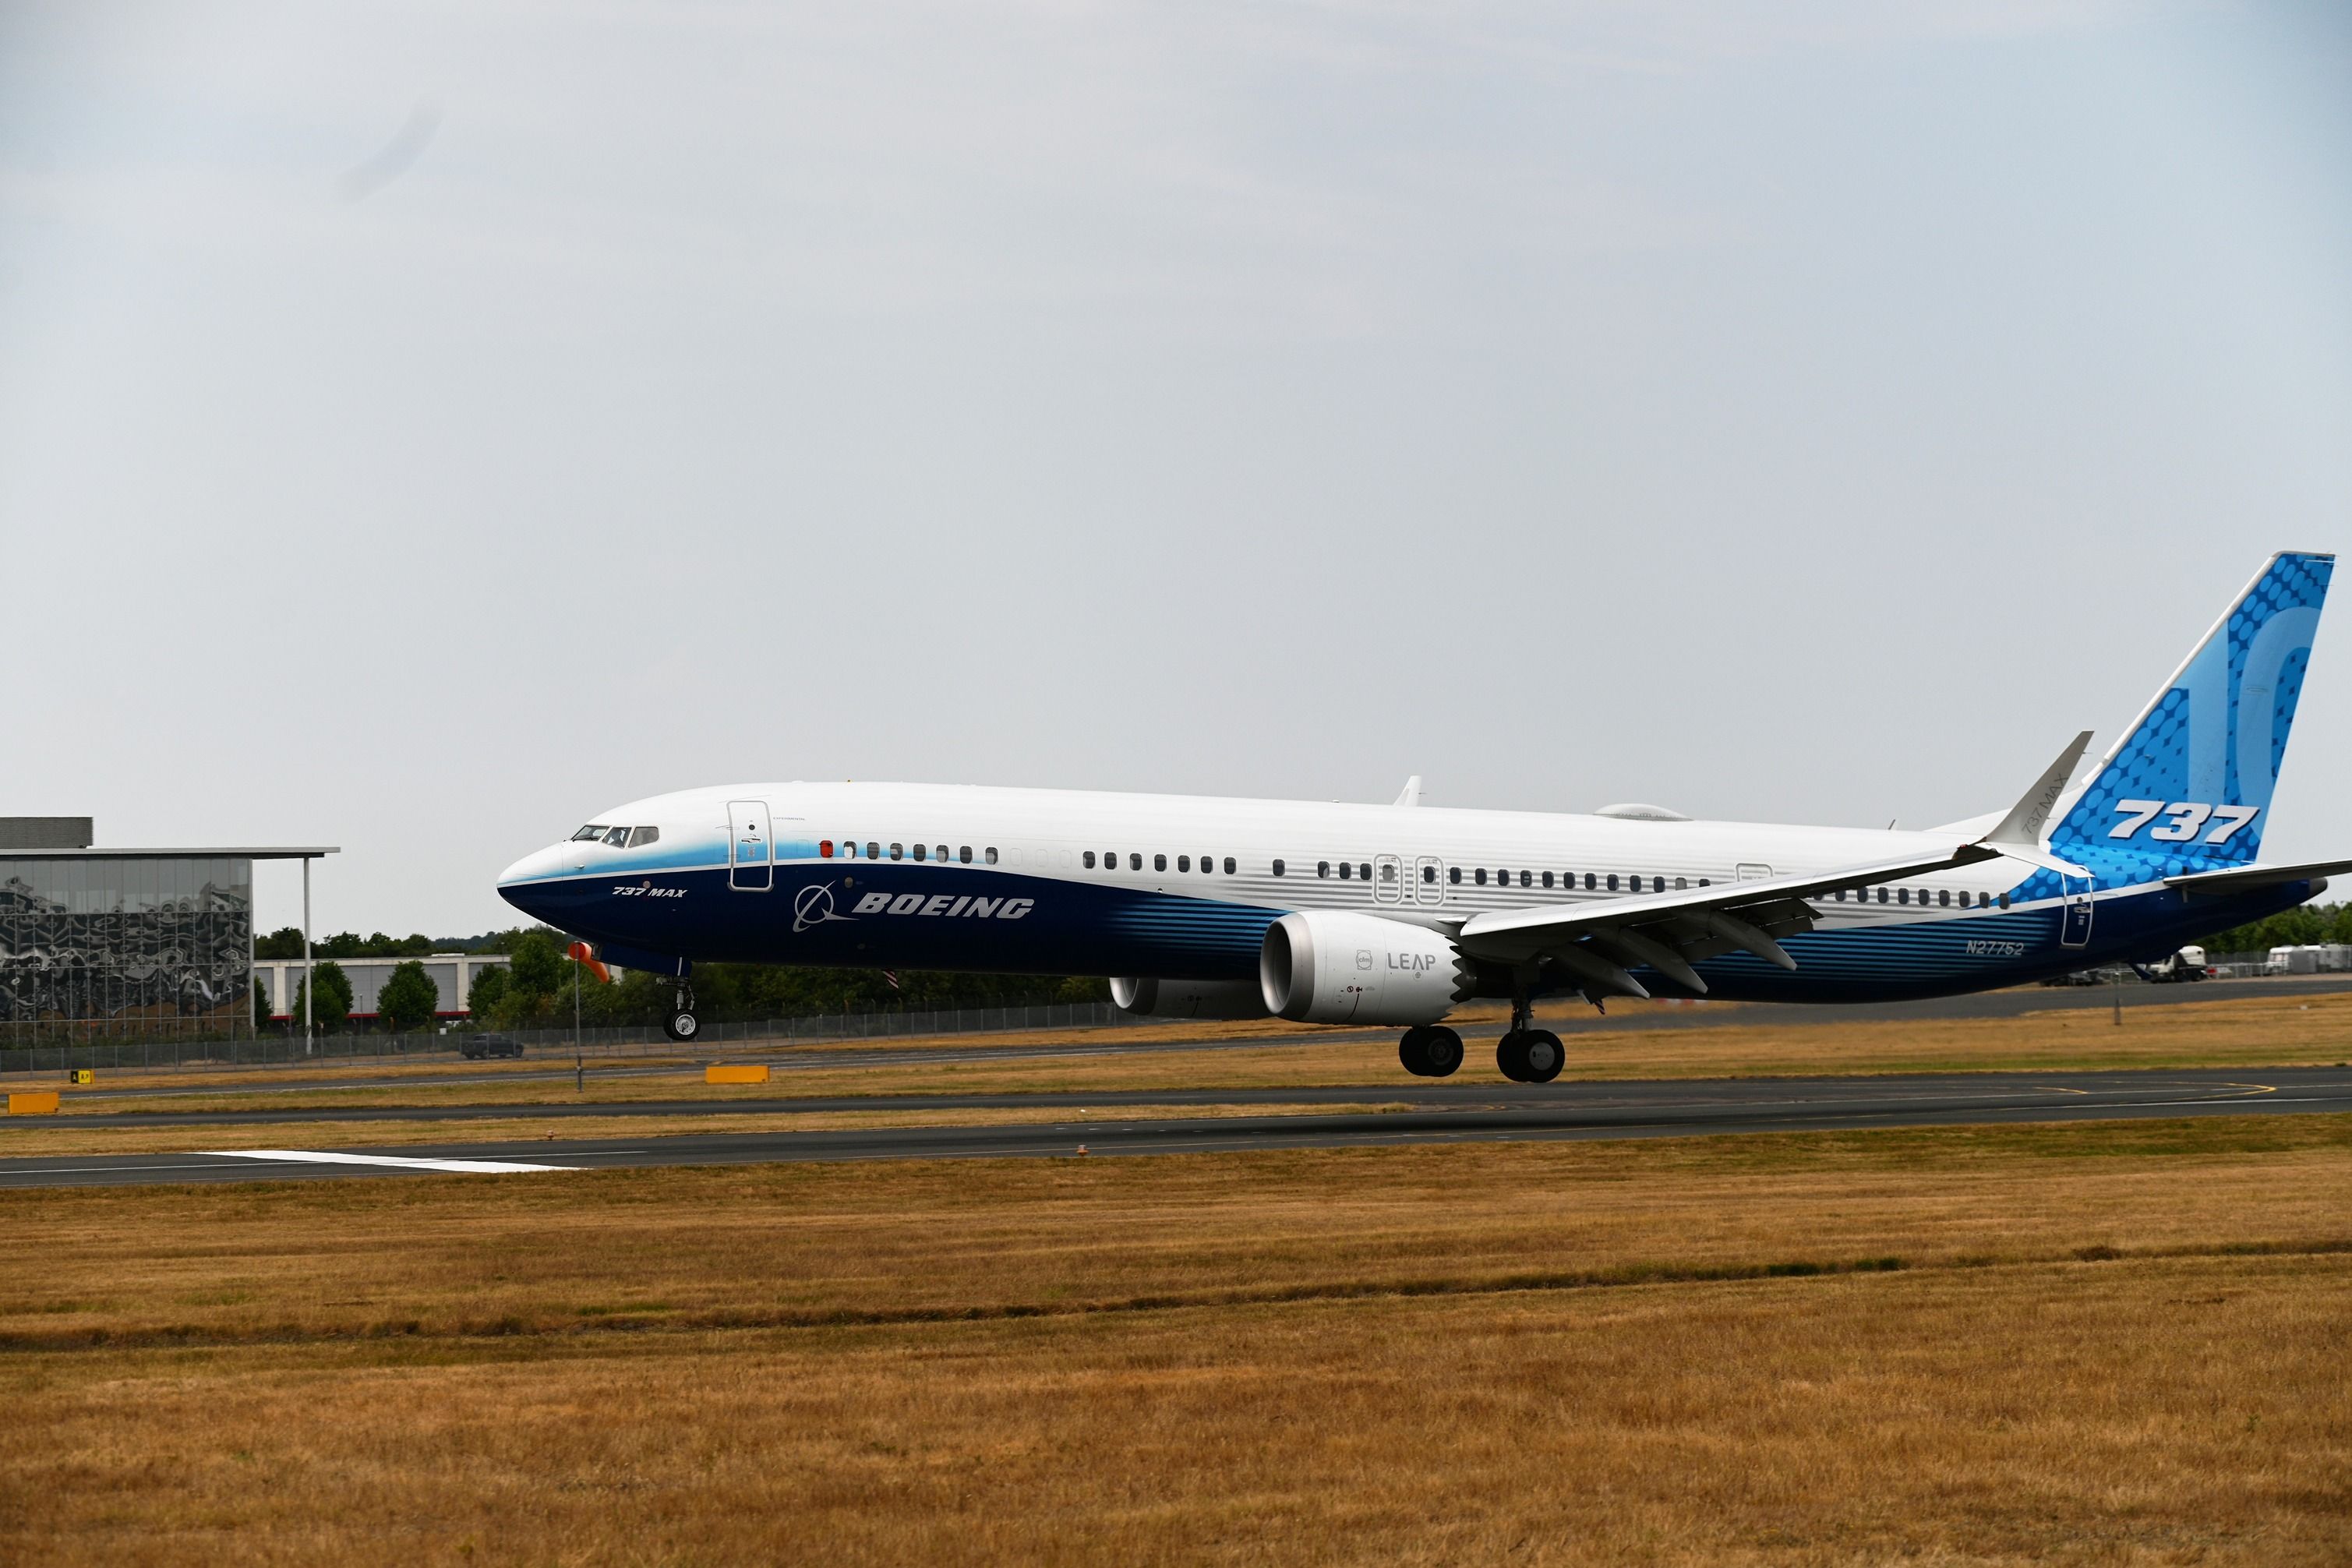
(594, 830)
(1183, 862)
(825, 849)
(1207, 865)
(1881, 895)
(1587, 881)
(943, 853)
(918, 851)
(1322, 867)
(1278, 867)
(1229, 865)
(1429, 873)
(963, 853)
(897, 852)
(1682, 884)
(1346, 870)
(1388, 873)
(991, 854)
(1547, 878)
(1159, 862)
(1135, 862)
(1612, 881)
(1480, 876)
(1944, 898)
(1839, 895)
(2004, 901)
(873, 851)
(1090, 858)
(1454, 875)
(1902, 895)
(1363, 871)
(1502, 877)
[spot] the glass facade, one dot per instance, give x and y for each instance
(128, 946)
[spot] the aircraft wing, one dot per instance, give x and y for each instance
(1598, 941)
(2248, 878)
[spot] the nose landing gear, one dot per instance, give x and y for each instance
(1431, 1051)
(682, 1025)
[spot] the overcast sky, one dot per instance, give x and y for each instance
(422, 426)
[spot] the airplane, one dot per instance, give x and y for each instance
(1397, 915)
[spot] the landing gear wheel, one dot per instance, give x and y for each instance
(1511, 1055)
(682, 1026)
(1412, 1052)
(1430, 1051)
(1541, 1055)
(1441, 1050)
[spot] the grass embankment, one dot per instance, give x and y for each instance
(2112, 1343)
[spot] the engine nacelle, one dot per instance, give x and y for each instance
(1328, 966)
(1188, 998)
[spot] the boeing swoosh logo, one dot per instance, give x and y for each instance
(812, 906)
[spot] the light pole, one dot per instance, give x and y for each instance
(307, 986)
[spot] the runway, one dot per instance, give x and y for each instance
(1422, 1114)
(2015, 1003)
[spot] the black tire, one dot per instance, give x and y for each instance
(1441, 1050)
(1412, 1052)
(1541, 1055)
(1511, 1057)
(682, 1025)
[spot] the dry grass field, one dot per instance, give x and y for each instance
(2109, 1343)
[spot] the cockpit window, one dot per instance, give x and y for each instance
(618, 838)
(640, 837)
(594, 830)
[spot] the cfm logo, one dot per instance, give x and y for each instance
(2184, 820)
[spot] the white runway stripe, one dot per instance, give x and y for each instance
(317, 1157)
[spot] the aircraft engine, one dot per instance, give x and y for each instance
(1328, 966)
(1188, 998)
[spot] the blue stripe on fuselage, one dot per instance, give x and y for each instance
(971, 918)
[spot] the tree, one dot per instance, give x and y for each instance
(332, 1009)
(489, 989)
(286, 941)
(409, 998)
(538, 965)
(260, 1002)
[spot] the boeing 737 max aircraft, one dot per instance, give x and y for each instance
(1397, 915)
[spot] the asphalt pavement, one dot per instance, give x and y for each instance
(1423, 1114)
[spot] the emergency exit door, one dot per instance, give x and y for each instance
(751, 848)
(2074, 916)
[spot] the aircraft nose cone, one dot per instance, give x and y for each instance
(516, 882)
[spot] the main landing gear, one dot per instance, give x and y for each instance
(682, 1025)
(1431, 1051)
(1526, 1054)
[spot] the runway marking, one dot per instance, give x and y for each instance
(313, 1157)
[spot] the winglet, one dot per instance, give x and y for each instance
(2020, 833)
(1411, 794)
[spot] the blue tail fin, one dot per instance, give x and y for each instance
(2192, 779)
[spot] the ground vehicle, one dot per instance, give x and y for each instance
(2185, 965)
(474, 1047)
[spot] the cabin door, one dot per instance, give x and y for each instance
(1387, 879)
(1429, 879)
(751, 848)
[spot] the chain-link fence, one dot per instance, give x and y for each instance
(272, 1050)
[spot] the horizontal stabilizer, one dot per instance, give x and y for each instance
(2250, 879)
